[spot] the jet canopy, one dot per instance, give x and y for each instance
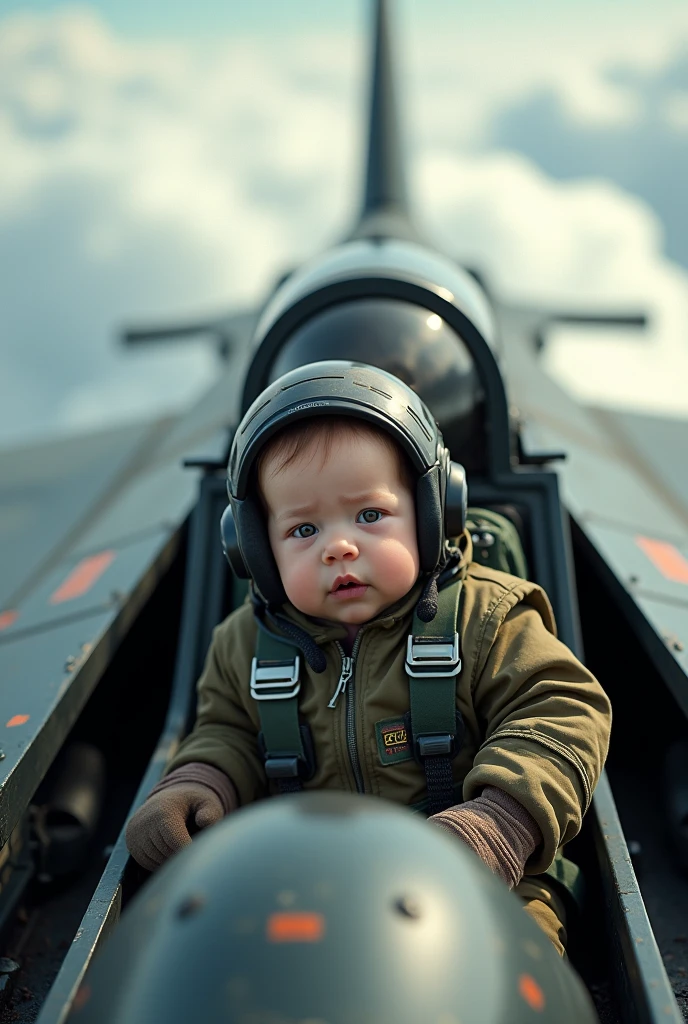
(416, 346)
(410, 312)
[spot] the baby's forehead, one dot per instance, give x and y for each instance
(332, 468)
(324, 441)
(320, 448)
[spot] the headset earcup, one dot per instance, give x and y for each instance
(230, 544)
(255, 549)
(429, 520)
(456, 501)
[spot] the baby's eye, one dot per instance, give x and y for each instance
(304, 531)
(369, 515)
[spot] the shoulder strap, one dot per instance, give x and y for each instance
(433, 661)
(275, 685)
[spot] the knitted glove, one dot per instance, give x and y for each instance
(496, 827)
(190, 798)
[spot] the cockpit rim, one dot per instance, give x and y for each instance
(427, 297)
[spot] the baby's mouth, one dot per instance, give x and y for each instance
(348, 586)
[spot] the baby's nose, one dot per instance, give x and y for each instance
(339, 548)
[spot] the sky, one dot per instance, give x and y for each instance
(171, 160)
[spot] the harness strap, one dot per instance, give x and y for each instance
(275, 685)
(433, 660)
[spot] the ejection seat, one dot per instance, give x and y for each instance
(529, 500)
(374, 304)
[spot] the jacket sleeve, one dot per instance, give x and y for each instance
(224, 734)
(547, 722)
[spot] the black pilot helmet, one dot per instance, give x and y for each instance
(341, 388)
(334, 908)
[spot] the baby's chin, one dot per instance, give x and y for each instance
(348, 615)
(357, 614)
(349, 612)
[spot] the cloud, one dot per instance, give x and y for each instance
(575, 245)
(155, 180)
(138, 182)
(645, 152)
(468, 67)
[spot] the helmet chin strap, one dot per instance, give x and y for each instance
(299, 637)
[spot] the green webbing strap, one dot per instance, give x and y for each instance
(568, 877)
(433, 700)
(433, 662)
(279, 714)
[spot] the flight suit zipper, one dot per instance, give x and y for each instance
(346, 684)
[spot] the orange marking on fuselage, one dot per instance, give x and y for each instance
(7, 619)
(17, 720)
(295, 927)
(531, 992)
(665, 557)
(82, 577)
(83, 994)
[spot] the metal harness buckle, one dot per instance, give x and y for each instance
(275, 680)
(433, 657)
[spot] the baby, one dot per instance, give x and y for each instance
(338, 499)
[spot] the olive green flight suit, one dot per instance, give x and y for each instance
(537, 722)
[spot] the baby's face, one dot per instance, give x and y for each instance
(342, 530)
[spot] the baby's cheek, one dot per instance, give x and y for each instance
(400, 566)
(300, 587)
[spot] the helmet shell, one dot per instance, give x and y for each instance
(336, 388)
(334, 908)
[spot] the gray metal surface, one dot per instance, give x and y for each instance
(415, 938)
(48, 673)
(624, 481)
(648, 993)
(203, 596)
(658, 447)
(116, 526)
(46, 491)
(630, 555)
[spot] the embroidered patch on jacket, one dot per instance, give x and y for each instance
(392, 741)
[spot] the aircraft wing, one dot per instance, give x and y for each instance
(88, 525)
(625, 483)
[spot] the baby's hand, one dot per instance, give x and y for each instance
(160, 827)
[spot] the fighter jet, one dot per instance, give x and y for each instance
(113, 578)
